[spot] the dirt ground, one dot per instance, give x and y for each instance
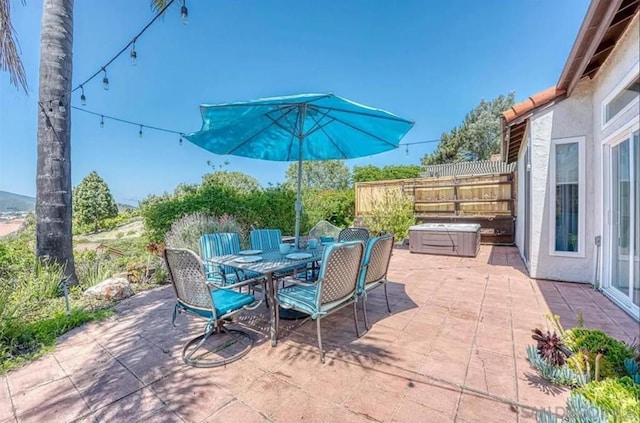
(7, 227)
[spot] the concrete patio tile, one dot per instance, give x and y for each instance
(234, 377)
(268, 394)
(336, 380)
(410, 412)
(133, 407)
(190, 395)
(236, 411)
(6, 409)
(57, 401)
(108, 387)
(42, 371)
(474, 409)
(304, 406)
(372, 402)
(163, 415)
(435, 395)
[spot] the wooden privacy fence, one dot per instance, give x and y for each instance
(486, 199)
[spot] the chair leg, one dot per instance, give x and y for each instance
(364, 312)
(386, 297)
(355, 318)
(320, 340)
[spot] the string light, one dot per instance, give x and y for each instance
(133, 54)
(128, 122)
(105, 80)
(184, 13)
(83, 98)
(61, 107)
(180, 141)
(50, 106)
(407, 150)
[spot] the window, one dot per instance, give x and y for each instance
(567, 205)
(621, 100)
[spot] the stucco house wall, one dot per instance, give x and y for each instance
(579, 115)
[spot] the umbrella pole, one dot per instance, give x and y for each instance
(302, 112)
(299, 198)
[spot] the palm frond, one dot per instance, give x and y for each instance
(9, 49)
(158, 5)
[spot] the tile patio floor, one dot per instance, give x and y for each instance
(452, 350)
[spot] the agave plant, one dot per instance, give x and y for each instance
(550, 347)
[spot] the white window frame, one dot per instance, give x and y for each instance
(581, 200)
(632, 74)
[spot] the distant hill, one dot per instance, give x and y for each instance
(10, 202)
(124, 207)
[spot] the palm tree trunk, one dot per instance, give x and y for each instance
(53, 183)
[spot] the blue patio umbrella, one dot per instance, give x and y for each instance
(297, 128)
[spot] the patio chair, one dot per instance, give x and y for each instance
(354, 234)
(198, 297)
(373, 272)
(267, 240)
(335, 288)
(222, 244)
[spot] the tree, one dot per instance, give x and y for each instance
(53, 183)
(374, 173)
(237, 180)
(477, 138)
(92, 201)
(9, 57)
(320, 175)
(53, 175)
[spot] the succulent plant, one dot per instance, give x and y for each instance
(551, 347)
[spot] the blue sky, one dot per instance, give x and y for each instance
(430, 61)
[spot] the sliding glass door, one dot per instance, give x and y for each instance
(625, 221)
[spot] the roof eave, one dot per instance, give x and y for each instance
(593, 28)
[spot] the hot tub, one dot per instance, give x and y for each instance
(455, 239)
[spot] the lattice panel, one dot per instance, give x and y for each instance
(187, 277)
(341, 272)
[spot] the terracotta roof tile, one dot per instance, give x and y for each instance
(536, 100)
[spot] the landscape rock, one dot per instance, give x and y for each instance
(112, 289)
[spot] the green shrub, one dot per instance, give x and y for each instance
(619, 399)
(336, 207)
(577, 363)
(93, 267)
(269, 208)
(592, 340)
(186, 232)
(393, 213)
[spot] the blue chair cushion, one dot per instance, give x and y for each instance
(227, 300)
(302, 297)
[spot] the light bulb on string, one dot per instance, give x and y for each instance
(50, 106)
(105, 80)
(140, 132)
(134, 54)
(61, 107)
(407, 150)
(83, 98)
(180, 140)
(184, 13)
(101, 121)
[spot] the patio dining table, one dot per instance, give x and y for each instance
(270, 263)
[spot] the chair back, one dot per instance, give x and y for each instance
(339, 272)
(375, 263)
(215, 245)
(188, 280)
(267, 240)
(354, 234)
